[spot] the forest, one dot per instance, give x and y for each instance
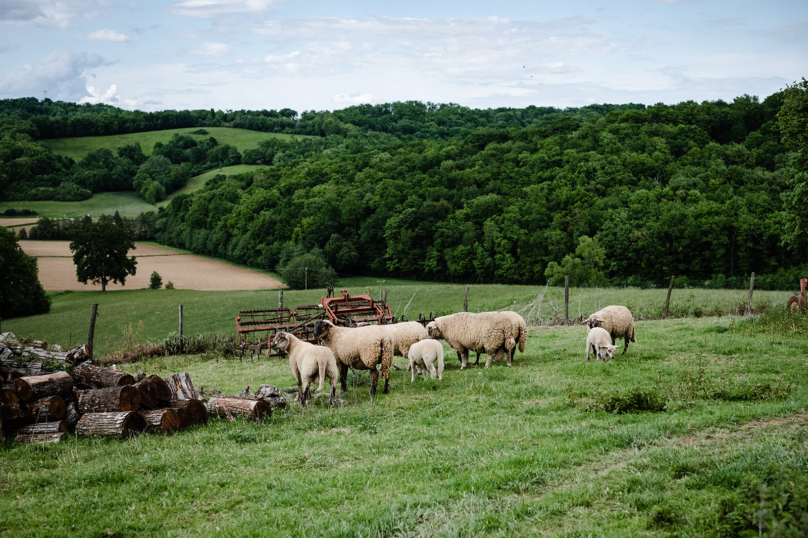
(626, 194)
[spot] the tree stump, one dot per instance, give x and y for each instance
(160, 388)
(95, 376)
(190, 411)
(148, 396)
(181, 387)
(121, 425)
(123, 398)
(231, 407)
(36, 387)
(44, 427)
(40, 437)
(161, 420)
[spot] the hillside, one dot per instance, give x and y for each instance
(79, 147)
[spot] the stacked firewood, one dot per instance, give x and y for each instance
(81, 397)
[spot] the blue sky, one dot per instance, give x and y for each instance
(324, 55)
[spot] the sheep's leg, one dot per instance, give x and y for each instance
(432, 370)
(386, 382)
(459, 357)
(333, 392)
(343, 376)
(305, 393)
(625, 348)
(588, 348)
(489, 361)
(412, 369)
(323, 365)
(477, 363)
(374, 375)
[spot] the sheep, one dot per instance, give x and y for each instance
(466, 332)
(600, 342)
(515, 329)
(309, 363)
(404, 335)
(362, 348)
(616, 320)
(423, 355)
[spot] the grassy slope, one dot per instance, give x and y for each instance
(212, 312)
(499, 452)
(127, 203)
(78, 147)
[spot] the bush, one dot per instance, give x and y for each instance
(23, 233)
(155, 282)
(169, 285)
(308, 271)
(21, 294)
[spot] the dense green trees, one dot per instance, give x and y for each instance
(793, 123)
(99, 252)
(21, 294)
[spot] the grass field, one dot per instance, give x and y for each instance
(524, 451)
(128, 204)
(78, 147)
(213, 312)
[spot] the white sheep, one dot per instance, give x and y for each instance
(362, 348)
(466, 332)
(423, 355)
(404, 335)
(600, 342)
(309, 364)
(615, 320)
(515, 330)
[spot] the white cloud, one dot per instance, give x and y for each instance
(354, 98)
(47, 13)
(62, 75)
(107, 35)
(215, 50)
(217, 8)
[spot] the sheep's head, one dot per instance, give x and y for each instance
(321, 329)
(280, 341)
(593, 321)
(606, 352)
(433, 332)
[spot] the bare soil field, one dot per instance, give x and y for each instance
(187, 271)
(17, 221)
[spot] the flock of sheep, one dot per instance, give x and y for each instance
(497, 334)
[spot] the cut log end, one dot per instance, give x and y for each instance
(161, 420)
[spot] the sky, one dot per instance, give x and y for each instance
(330, 54)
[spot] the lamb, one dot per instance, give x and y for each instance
(423, 355)
(616, 320)
(309, 363)
(600, 342)
(466, 332)
(362, 348)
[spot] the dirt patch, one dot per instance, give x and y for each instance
(62, 249)
(187, 271)
(10, 223)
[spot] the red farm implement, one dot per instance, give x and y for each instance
(345, 310)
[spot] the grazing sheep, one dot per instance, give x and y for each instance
(362, 348)
(404, 335)
(616, 320)
(466, 332)
(309, 363)
(600, 342)
(423, 355)
(515, 329)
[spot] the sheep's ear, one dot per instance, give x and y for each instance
(600, 320)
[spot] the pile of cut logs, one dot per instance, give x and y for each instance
(43, 406)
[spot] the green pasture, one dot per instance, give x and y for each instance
(128, 204)
(214, 312)
(520, 451)
(78, 147)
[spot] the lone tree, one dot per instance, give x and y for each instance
(21, 294)
(99, 252)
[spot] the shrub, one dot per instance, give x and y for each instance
(21, 294)
(630, 401)
(308, 271)
(155, 282)
(169, 285)
(23, 233)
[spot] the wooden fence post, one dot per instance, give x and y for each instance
(181, 329)
(466, 300)
(751, 287)
(668, 300)
(280, 299)
(90, 336)
(567, 300)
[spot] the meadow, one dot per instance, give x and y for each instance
(128, 204)
(214, 312)
(78, 147)
(531, 450)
